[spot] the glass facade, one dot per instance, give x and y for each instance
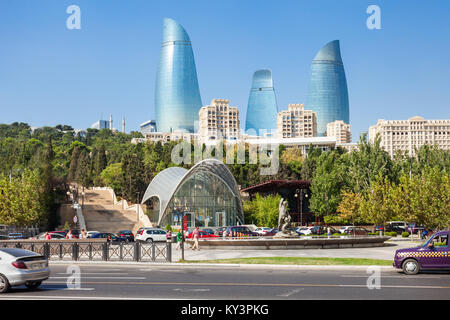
(205, 199)
(207, 194)
(328, 93)
(262, 105)
(177, 94)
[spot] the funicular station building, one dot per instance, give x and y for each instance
(207, 194)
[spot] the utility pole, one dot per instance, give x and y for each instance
(137, 204)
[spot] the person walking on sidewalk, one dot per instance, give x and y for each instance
(179, 238)
(195, 235)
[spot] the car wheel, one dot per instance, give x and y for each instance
(410, 266)
(33, 285)
(149, 240)
(4, 284)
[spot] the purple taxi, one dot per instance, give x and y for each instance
(433, 254)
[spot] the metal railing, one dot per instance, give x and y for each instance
(91, 250)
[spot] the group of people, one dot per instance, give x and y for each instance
(69, 235)
(181, 234)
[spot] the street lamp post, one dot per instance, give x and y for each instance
(137, 204)
(299, 196)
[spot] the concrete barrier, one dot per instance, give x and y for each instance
(286, 244)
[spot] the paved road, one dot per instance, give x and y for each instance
(386, 252)
(120, 281)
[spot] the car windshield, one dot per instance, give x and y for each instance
(437, 240)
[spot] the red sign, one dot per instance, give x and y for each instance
(185, 222)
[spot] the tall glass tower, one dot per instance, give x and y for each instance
(262, 105)
(177, 95)
(327, 93)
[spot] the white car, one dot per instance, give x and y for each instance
(91, 233)
(262, 230)
(343, 229)
(22, 267)
(151, 235)
(303, 230)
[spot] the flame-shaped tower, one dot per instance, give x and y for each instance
(328, 93)
(177, 94)
(262, 105)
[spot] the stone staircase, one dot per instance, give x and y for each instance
(101, 214)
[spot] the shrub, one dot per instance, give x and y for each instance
(391, 234)
(405, 234)
(337, 234)
(372, 233)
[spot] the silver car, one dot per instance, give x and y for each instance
(22, 267)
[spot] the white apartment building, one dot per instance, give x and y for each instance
(411, 134)
(165, 137)
(219, 121)
(296, 122)
(340, 130)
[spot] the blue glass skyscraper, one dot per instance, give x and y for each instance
(262, 105)
(177, 95)
(327, 93)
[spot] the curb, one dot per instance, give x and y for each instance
(225, 265)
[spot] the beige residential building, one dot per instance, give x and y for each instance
(219, 121)
(340, 130)
(411, 134)
(296, 122)
(165, 137)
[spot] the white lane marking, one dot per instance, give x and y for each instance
(290, 293)
(78, 298)
(67, 289)
(97, 273)
(402, 277)
(191, 290)
(115, 278)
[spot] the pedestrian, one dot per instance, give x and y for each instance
(69, 235)
(169, 235)
(195, 236)
(424, 234)
(83, 234)
(179, 239)
(48, 236)
(109, 238)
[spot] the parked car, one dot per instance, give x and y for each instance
(303, 230)
(208, 230)
(152, 235)
(104, 235)
(41, 236)
(235, 231)
(22, 267)
(357, 231)
(433, 254)
(202, 235)
(265, 231)
(343, 229)
(3, 237)
(379, 228)
(60, 232)
(15, 235)
(219, 231)
(396, 226)
(127, 234)
(89, 234)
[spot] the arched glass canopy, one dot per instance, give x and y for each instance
(207, 194)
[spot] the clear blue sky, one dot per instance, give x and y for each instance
(51, 75)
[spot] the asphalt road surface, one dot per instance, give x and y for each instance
(119, 281)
